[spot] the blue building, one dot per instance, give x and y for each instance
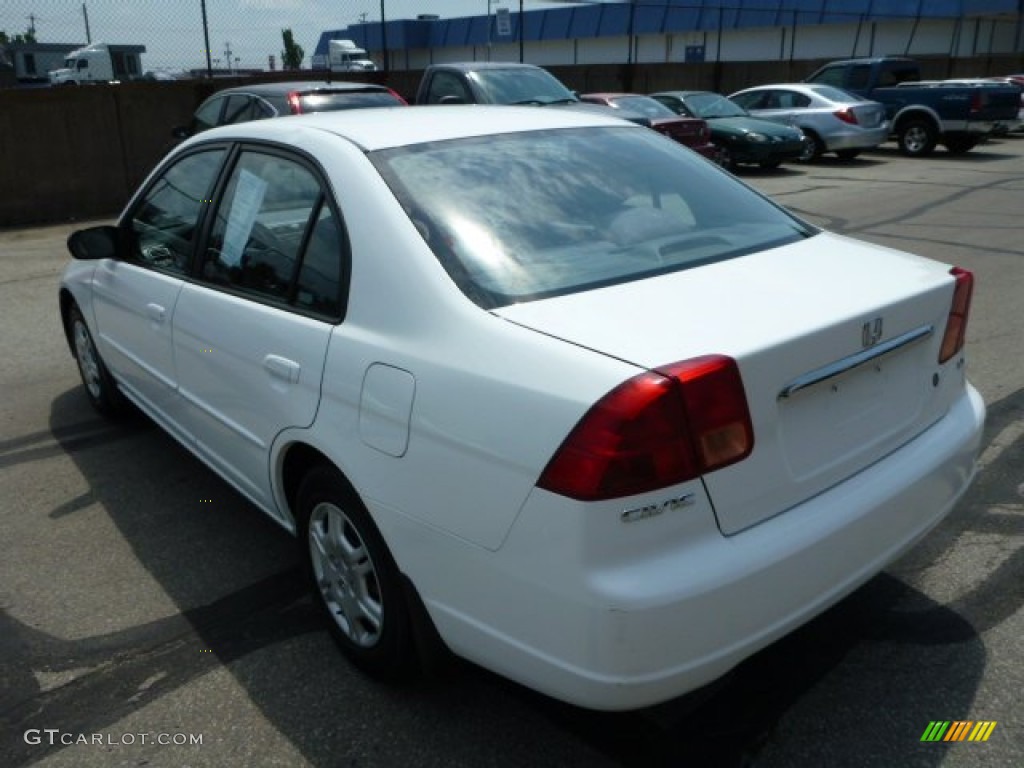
(669, 31)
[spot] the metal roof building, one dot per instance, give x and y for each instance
(701, 30)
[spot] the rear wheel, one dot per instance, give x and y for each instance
(353, 576)
(99, 384)
(847, 154)
(917, 138)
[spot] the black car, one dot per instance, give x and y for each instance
(263, 100)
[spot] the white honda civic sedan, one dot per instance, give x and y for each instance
(546, 386)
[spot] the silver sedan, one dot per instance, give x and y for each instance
(832, 119)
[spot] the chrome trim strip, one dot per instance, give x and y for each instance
(832, 370)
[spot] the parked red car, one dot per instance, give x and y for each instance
(691, 131)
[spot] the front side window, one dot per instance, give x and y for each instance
(275, 236)
(614, 205)
(208, 115)
(165, 224)
(445, 85)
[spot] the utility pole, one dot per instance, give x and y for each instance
(384, 35)
(85, 15)
(521, 25)
(227, 57)
(206, 39)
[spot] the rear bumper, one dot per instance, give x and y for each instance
(861, 139)
(613, 615)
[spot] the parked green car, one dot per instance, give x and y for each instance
(741, 138)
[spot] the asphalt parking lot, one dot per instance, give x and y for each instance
(144, 605)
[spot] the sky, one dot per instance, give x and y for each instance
(171, 30)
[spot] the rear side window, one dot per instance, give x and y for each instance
(165, 223)
(833, 76)
(446, 85)
(275, 236)
(240, 109)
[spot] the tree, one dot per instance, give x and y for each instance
(28, 37)
(291, 56)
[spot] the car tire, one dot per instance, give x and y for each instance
(726, 159)
(353, 577)
(847, 154)
(99, 385)
(813, 147)
(917, 138)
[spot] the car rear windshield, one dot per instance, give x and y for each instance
(645, 105)
(332, 101)
(523, 216)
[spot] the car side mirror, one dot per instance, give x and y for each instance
(181, 132)
(95, 243)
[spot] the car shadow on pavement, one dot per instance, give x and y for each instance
(856, 686)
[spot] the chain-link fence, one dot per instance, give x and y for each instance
(241, 35)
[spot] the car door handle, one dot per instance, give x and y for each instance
(156, 313)
(282, 367)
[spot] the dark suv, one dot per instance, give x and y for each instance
(262, 100)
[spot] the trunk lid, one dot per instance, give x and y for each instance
(686, 131)
(869, 114)
(788, 316)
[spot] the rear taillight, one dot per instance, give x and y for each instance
(398, 97)
(977, 102)
(295, 102)
(956, 325)
(657, 429)
(846, 115)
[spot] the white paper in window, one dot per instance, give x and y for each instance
(249, 194)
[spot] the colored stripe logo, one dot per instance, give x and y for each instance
(958, 730)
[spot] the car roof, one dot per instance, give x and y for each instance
(684, 93)
(285, 87)
(613, 94)
(385, 127)
(472, 66)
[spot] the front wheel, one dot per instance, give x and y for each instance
(726, 159)
(917, 138)
(99, 384)
(813, 147)
(353, 576)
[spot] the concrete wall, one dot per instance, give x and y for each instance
(75, 153)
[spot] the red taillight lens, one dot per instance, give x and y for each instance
(956, 325)
(846, 115)
(295, 102)
(977, 102)
(657, 429)
(398, 97)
